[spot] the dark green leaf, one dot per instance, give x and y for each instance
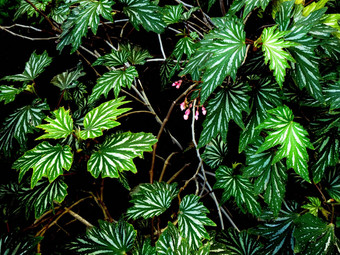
(137, 55)
(333, 184)
(215, 152)
(68, 79)
(115, 58)
(172, 14)
(14, 245)
(8, 93)
(332, 95)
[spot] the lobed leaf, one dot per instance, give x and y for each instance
(8, 93)
(67, 80)
(215, 152)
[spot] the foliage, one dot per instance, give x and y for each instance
(93, 136)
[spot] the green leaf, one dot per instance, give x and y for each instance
(333, 184)
(117, 154)
(102, 118)
(184, 45)
(59, 13)
(145, 13)
(314, 206)
(18, 245)
(238, 242)
(215, 152)
(172, 14)
(239, 187)
(191, 220)
(270, 178)
(41, 198)
(8, 93)
(46, 160)
(68, 79)
(223, 51)
(249, 5)
(85, 15)
(61, 126)
(115, 79)
(265, 96)
(272, 47)
(151, 201)
(313, 236)
(332, 95)
(284, 14)
(279, 231)
(291, 137)
(226, 105)
(20, 123)
(27, 8)
(115, 58)
(147, 249)
(33, 68)
(137, 55)
(108, 238)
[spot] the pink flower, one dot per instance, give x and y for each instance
(183, 105)
(186, 114)
(204, 111)
(196, 115)
(177, 84)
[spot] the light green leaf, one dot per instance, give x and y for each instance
(291, 136)
(215, 152)
(61, 126)
(137, 55)
(108, 238)
(332, 95)
(33, 68)
(27, 8)
(226, 105)
(102, 118)
(41, 198)
(191, 220)
(115, 79)
(59, 13)
(314, 206)
(314, 236)
(272, 47)
(145, 13)
(8, 93)
(249, 5)
(85, 15)
(115, 58)
(46, 160)
(151, 201)
(239, 187)
(117, 154)
(333, 184)
(20, 123)
(172, 14)
(68, 79)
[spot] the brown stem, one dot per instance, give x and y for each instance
(222, 7)
(61, 97)
(162, 128)
(45, 17)
(166, 163)
(323, 196)
(177, 173)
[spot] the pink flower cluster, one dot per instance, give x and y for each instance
(177, 84)
(185, 105)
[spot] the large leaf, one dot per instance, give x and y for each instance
(265, 96)
(279, 231)
(33, 68)
(67, 80)
(224, 49)
(291, 136)
(272, 47)
(151, 200)
(239, 187)
(117, 152)
(41, 198)
(8, 93)
(191, 220)
(215, 152)
(145, 13)
(314, 236)
(46, 160)
(86, 14)
(238, 243)
(108, 238)
(61, 126)
(20, 123)
(115, 79)
(115, 58)
(270, 178)
(102, 118)
(226, 105)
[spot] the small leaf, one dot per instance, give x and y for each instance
(117, 154)
(332, 95)
(272, 47)
(239, 187)
(191, 220)
(184, 45)
(147, 249)
(115, 79)
(137, 55)
(151, 202)
(115, 58)
(333, 184)
(27, 8)
(59, 127)
(314, 206)
(172, 14)
(145, 13)
(67, 80)
(249, 5)
(102, 118)
(46, 160)
(8, 93)
(226, 105)
(108, 238)
(291, 136)
(33, 68)
(215, 152)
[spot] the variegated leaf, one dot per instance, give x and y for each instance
(61, 126)
(8, 93)
(215, 152)
(67, 80)
(137, 55)
(115, 58)
(46, 160)
(117, 154)
(172, 14)
(192, 219)
(249, 5)
(102, 118)
(332, 95)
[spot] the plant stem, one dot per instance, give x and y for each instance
(166, 163)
